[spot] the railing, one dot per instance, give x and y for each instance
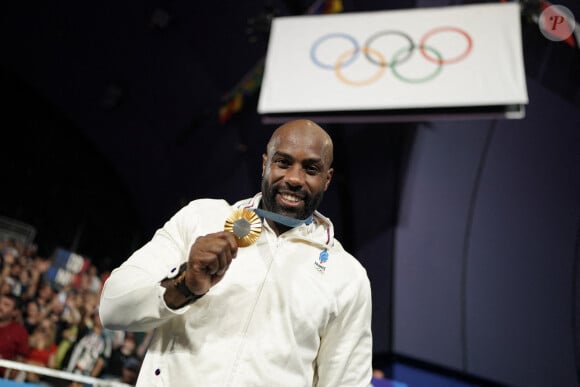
(95, 382)
(15, 229)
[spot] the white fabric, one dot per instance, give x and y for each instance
(280, 316)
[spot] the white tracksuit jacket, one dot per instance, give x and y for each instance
(283, 315)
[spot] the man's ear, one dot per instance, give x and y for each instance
(329, 174)
(264, 162)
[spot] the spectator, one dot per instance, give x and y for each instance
(13, 335)
(70, 328)
(37, 266)
(44, 296)
(92, 352)
(9, 266)
(5, 287)
(32, 316)
(24, 278)
(13, 277)
(130, 371)
(120, 355)
(42, 345)
(42, 349)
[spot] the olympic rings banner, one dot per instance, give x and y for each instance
(417, 60)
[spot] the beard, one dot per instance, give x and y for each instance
(311, 202)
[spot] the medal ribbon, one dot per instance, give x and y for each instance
(282, 219)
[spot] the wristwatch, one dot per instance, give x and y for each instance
(179, 284)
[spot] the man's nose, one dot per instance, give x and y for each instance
(294, 175)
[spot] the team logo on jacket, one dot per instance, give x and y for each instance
(320, 265)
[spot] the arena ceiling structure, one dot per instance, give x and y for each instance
(111, 112)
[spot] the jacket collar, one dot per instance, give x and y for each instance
(319, 233)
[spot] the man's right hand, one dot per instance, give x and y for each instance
(209, 259)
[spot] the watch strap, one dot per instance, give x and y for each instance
(179, 284)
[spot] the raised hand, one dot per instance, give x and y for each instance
(209, 259)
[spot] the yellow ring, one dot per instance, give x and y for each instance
(363, 82)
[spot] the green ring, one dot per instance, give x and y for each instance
(417, 80)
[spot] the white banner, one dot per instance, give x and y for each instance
(450, 57)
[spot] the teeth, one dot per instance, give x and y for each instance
(290, 198)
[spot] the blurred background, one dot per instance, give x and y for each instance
(116, 114)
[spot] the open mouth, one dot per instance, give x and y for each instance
(289, 199)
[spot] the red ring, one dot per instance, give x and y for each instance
(445, 61)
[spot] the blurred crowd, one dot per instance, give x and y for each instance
(59, 326)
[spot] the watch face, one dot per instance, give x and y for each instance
(180, 285)
(246, 226)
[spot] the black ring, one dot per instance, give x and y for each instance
(389, 32)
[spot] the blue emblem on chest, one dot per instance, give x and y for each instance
(323, 256)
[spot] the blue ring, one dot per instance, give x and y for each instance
(329, 36)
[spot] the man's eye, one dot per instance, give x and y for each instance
(312, 170)
(282, 163)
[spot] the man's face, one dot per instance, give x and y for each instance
(6, 309)
(296, 173)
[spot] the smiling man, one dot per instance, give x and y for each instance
(273, 301)
(296, 170)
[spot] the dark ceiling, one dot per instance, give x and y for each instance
(110, 112)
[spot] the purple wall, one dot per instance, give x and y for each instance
(485, 249)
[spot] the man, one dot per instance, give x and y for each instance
(292, 309)
(13, 335)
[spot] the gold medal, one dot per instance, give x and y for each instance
(245, 225)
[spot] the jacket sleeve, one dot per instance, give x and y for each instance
(132, 297)
(345, 354)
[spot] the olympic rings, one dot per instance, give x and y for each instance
(401, 56)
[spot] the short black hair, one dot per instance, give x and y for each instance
(17, 300)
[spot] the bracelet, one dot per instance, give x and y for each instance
(179, 284)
